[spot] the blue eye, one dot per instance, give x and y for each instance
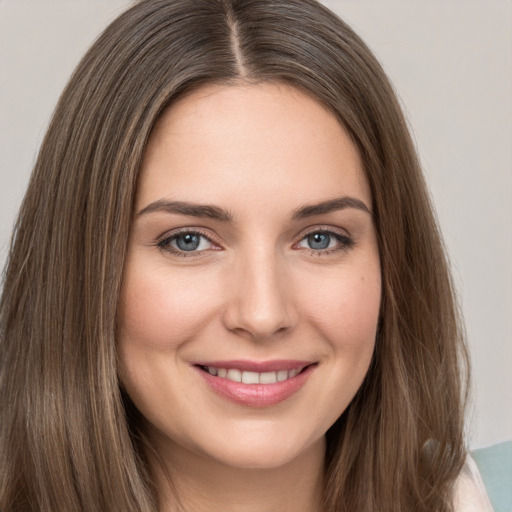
(319, 241)
(325, 241)
(188, 242)
(185, 242)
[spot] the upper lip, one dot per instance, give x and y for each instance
(257, 366)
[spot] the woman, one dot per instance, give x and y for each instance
(226, 288)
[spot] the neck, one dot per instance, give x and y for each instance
(188, 482)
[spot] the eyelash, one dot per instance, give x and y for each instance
(344, 242)
(164, 244)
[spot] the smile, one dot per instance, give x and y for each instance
(256, 384)
(248, 377)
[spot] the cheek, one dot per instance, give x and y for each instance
(346, 315)
(346, 309)
(162, 310)
(360, 312)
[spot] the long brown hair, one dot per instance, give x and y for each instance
(69, 440)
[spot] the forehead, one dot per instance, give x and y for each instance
(223, 140)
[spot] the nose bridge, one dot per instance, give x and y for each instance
(260, 304)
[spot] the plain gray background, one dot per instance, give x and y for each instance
(450, 61)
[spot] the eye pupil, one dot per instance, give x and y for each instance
(319, 240)
(188, 242)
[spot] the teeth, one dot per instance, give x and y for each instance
(282, 375)
(268, 378)
(234, 375)
(252, 377)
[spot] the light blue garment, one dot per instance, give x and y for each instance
(495, 466)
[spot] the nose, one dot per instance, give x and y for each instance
(261, 300)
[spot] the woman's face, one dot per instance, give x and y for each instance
(253, 256)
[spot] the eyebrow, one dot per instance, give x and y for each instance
(331, 205)
(216, 213)
(185, 208)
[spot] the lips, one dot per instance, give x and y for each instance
(254, 383)
(247, 377)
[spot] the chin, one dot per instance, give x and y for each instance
(265, 451)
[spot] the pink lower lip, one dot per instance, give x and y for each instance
(256, 395)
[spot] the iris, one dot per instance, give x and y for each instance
(319, 241)
(188, 242)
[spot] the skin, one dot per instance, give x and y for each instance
(255, 290)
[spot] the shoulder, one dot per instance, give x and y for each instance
(470, 493)
(495, 465)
